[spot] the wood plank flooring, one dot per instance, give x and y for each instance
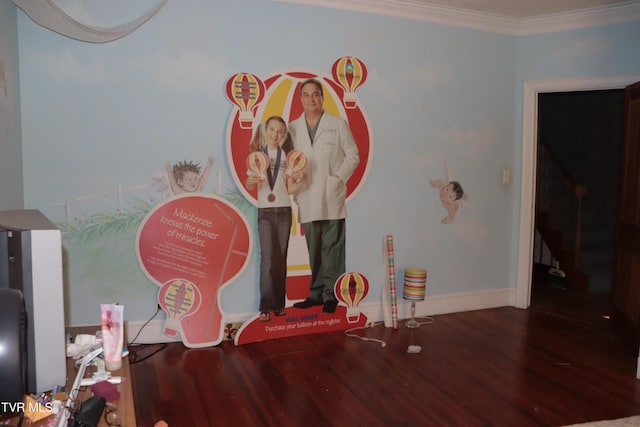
(497, 367)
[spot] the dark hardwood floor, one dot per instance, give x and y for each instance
(499, 367)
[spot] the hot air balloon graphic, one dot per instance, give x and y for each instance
(179, 298)
(245, 90)
(258, 162)
(297, 161)
(350, 73)
(350, 289)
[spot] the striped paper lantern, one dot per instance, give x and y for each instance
(415, 284)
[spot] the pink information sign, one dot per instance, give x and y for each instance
(191, 246)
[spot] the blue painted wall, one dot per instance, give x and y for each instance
(96, 117)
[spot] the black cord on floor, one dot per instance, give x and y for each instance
(134, 358)
(133, 355)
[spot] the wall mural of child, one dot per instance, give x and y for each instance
(185, 177)
(451, 196)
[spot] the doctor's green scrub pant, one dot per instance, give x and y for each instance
(326, 245)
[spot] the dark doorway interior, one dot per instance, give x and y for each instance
(583, 132)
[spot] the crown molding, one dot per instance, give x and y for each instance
(585, 18)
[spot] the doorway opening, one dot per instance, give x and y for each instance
(579, 147)
(532, 90)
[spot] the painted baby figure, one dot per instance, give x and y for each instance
(451, 197)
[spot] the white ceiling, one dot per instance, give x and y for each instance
(521, 8)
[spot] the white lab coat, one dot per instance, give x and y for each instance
(332, 159)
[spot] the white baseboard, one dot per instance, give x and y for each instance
(153, 331)
(446, 304)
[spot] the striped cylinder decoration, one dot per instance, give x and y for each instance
(391, 277)
(415, 284)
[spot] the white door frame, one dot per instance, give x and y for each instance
(529, 158)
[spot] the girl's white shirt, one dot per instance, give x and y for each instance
(282, 197)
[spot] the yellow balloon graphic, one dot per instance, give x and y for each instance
(257, 162)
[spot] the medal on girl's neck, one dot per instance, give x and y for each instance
(273, 176)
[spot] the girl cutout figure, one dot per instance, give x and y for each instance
(274, 212)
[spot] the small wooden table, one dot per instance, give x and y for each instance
(126, 410)
(125, 407)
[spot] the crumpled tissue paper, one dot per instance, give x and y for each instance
(82, 345)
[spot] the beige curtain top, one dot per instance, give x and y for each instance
(47, 14)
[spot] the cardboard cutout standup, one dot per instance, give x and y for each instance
(350, 289)
(192, 246)
(269, 161)
(330, 135)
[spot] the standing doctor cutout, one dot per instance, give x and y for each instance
(329, 145)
